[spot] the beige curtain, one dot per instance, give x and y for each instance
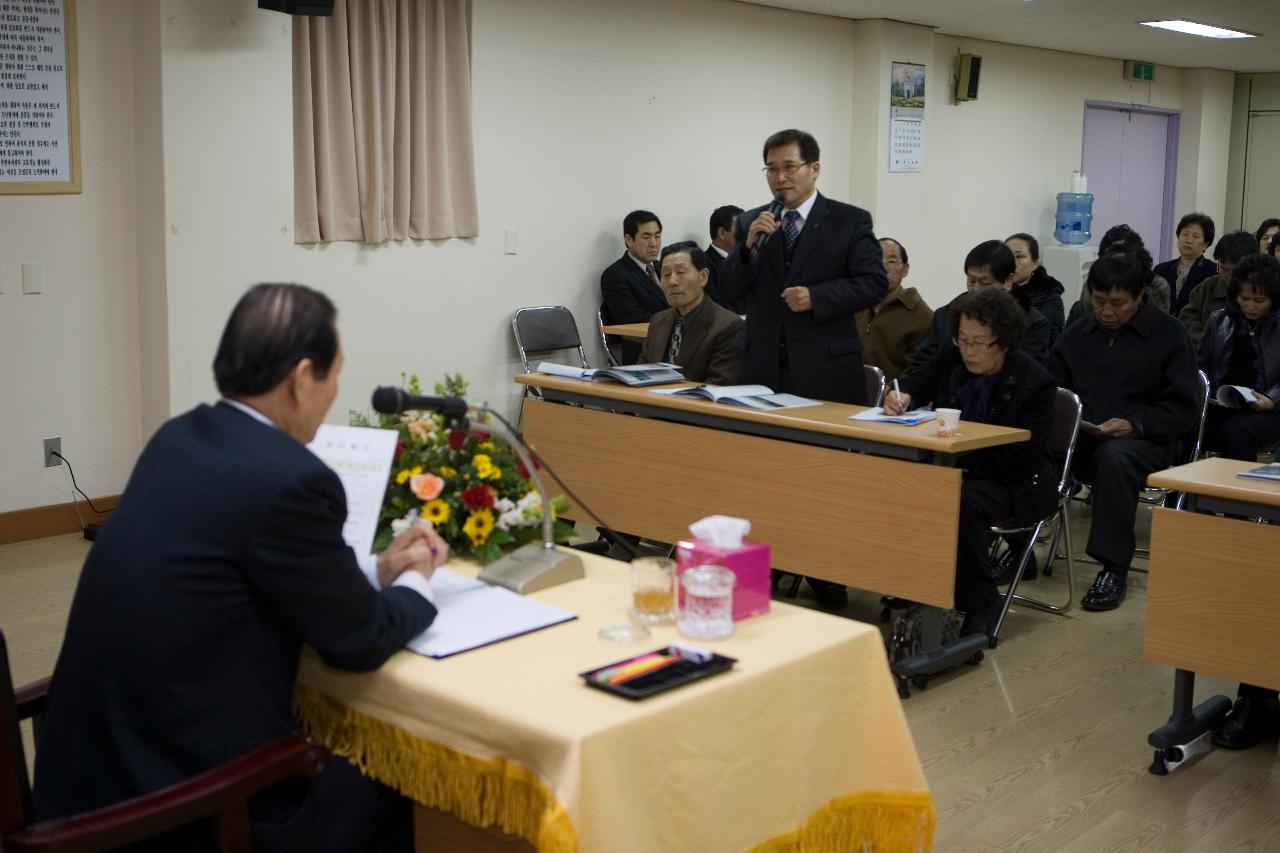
(382, 122)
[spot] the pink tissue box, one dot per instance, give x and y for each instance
(749, 562)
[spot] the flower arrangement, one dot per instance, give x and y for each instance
(472, 488)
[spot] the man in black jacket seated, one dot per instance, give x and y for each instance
(988, 264)
(1133, 367)
(985, 376)
(629, 288)
(223, 558)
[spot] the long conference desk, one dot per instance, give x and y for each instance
(1212, 596)
(503, 748)
(881, 519)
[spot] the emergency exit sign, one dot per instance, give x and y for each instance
(1135, 70)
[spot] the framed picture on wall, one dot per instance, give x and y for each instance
(39, 111)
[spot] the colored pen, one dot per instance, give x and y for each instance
(606, 674)
(644, 668)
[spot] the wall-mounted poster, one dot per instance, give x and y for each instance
(906, 117)
(39, 120)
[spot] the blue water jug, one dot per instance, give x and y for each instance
(1072, 221)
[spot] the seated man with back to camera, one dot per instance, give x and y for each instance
(1132, 366)
(694, 332)
(223, 558)
(989, 380)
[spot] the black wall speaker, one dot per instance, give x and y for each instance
(298, 7)
(967, 77)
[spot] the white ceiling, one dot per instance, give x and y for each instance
(1097, 27)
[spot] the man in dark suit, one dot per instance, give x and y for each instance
(722, 243)
(223, 558)
(820, 265)
(694, 332)
(629, 289)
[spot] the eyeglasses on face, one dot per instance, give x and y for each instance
(786, 169)
(973, 345)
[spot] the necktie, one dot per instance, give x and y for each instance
(790, 228)
(653, 275)
(677, 335)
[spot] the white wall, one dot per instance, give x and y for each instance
(69, 356)
(583, 111)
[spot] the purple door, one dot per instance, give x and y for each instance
(1130, 159)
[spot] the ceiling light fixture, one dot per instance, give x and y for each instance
(1191, 28)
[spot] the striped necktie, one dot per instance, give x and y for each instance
(790, 228)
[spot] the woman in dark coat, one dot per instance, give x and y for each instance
(984, 375)
(1241, 347)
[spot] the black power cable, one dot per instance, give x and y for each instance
(75, 485)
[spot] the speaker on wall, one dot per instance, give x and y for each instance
(967, 77)
(298, 7)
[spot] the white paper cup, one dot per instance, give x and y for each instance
(948, 422)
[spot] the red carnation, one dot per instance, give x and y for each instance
(477, 497)
(481, 435)
(521, 470)
(457, 438)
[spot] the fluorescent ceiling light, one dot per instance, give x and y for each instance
(1191, 28)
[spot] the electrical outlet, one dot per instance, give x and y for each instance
(52, 446)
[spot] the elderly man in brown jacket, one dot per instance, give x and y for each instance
(694, 332)
(892, 329)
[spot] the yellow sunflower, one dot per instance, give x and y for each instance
(478, 527)
(435, 511)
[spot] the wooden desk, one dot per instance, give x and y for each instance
(860, 519)
(803, 738)
(1213, 604)
(628, 330)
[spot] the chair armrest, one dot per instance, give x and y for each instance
(29, 698)
(219, 790)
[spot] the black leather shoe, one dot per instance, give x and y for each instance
(1250, 721)
(1003, 566)
(830, 596)
(1106, 593)
(982, 621)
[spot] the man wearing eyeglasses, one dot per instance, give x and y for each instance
(819, 265)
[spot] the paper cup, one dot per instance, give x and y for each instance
(948, 422)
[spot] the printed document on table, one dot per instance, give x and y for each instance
(472, 614)
(877, 415)
(361, 457)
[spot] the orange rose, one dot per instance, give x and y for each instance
(426, 486)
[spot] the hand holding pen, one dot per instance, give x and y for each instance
(895, 402)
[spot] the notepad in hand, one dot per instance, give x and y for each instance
(1263, 472)
(752, 396)
(630, 374)
(1234, 397)
(911, 418)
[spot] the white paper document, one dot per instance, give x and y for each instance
(877, 415)
(473, 614)
(361, 457)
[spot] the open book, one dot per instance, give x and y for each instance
(630, 374)
(911, 418)
(1234, 397)
(472, 614)
(1263, 472)
(753, 396)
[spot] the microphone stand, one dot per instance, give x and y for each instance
(534, 565)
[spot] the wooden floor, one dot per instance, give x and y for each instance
(1042, 747)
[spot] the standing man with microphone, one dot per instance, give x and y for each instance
(805, 265)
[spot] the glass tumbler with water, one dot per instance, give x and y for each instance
(707, 609)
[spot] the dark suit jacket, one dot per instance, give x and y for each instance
(629, 296)
(1035, 340)
(838, 259)
(1200, 270)
(224, 556)
(709, 349)
(715, 264)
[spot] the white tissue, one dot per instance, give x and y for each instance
(721, 531)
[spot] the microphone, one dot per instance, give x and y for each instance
(393, 401)
(776, 209)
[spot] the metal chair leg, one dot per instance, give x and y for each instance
(1064, 521)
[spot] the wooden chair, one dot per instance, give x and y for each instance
(218, 796)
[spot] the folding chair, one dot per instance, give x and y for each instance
(1062, 442)
(604, 339)
(545, 329)
(875, 384)
(1155, 496)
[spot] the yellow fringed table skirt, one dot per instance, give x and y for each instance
(800, 748)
